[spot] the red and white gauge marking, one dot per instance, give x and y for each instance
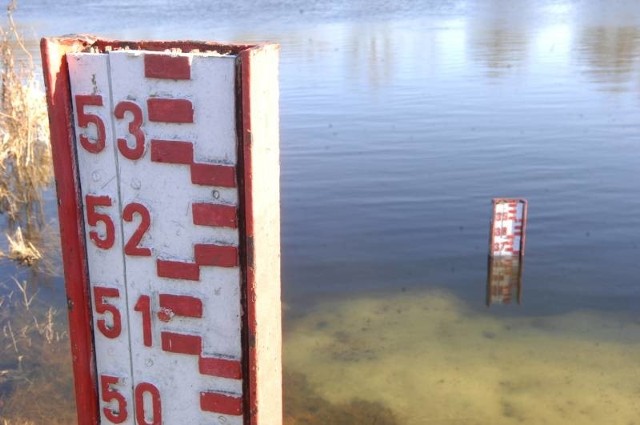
(508, 227)
(156, 144)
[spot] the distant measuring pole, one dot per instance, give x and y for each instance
(167, 171)
(506, 250)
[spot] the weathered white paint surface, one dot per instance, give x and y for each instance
(89, 76)
(266, 194)
(166, 191)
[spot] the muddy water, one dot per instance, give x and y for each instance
(400, 121)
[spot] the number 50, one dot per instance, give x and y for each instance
(115, 409)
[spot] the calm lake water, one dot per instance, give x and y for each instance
(400, 121)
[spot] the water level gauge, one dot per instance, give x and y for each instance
(166, 160)
(508, 226)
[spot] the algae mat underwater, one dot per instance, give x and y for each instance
(433, 360)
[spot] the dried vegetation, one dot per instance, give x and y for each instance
(35, 375)
(25, 155)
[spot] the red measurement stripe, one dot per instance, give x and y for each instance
(181, 344)
(222, 368)
(178, 270)
(216, 255)
(205, 214)
(171, 151)
(213, 175)
(220, 403)
(170, 110)
(181, 305)
(167, 67)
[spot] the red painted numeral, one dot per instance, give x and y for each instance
(144, 307)
(84, 119)
(135, 130)
(144, 417)
(99, 294)
(94, 217)
(499, 246)
(500, 231)
(132, 246)
(116, 414)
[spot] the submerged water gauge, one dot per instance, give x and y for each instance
(506, 250)
(508, 227)
(166, 160)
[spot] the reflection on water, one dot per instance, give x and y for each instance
(610, 56)
(371, 53)
(504, 280)
(500, 49)
(36, 384)
(432, 360)
(400, 121)
(500, 39)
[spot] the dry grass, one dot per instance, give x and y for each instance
(22, 251)
(35, 370)
(25, 155)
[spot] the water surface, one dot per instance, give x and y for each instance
(399, 122)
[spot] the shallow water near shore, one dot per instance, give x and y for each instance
(399, 122)
(433, 360)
